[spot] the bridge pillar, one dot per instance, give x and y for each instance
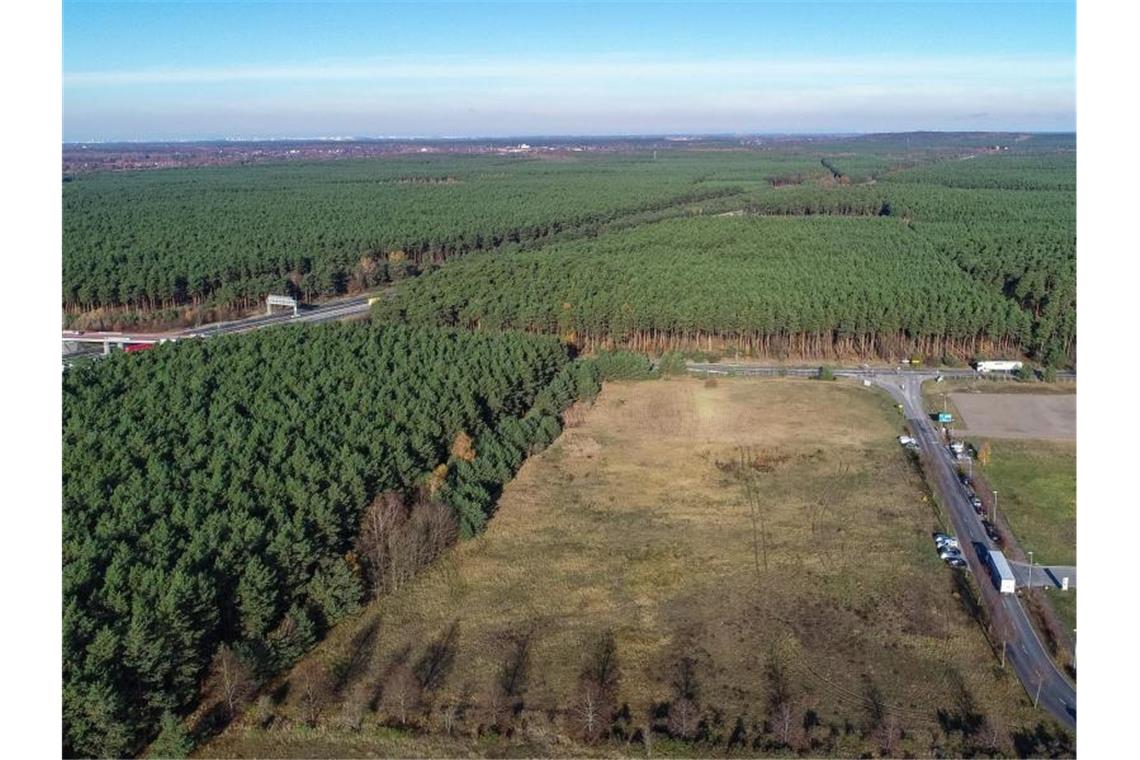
(106, 346)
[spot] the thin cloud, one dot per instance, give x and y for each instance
(604, 67)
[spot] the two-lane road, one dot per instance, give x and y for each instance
(1023, 649)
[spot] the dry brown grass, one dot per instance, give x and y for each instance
(627, 523)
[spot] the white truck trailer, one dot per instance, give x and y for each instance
(998, 366)
(1001, 572)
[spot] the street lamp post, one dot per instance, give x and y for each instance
(993, 516)
(1031, 570)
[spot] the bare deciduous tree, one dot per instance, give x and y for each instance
(379, 539)
(449, 714)
(787, 722)
(889, 733)
(785, 712)
(994, 736)
(396, 541)
(684, 717)
(494, 708)
(590, 712)
(232, 679)
(593, 707)
(453, 708)
(314, 685)
(352, 710)
(433, 530)
(401, 693)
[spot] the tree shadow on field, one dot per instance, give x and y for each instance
(280, 694)
(210, 724)
(1041, 741)
(361, 648)
(437, 661)
(515, 669)
(397, 660)
(964, 717)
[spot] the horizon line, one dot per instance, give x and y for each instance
(560, 136)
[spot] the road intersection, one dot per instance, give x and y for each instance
(1022, 648)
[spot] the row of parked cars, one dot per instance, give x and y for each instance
(991, 529)
(968, 486)
(949, 550)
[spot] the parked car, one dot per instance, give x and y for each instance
(957, 562)
(992, 531)
(949, 552)
(942, 539)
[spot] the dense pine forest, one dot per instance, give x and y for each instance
(817, 287)
(222, 499)
(922, 262)
(230, 235)
(213, 496)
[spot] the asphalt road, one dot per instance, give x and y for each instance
(1024, 651)
(90, 343)
(1048, 576)
(865, 371)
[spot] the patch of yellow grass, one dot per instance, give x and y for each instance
(635, 521)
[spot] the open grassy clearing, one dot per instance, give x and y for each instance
(1037, 495)
(636, 522)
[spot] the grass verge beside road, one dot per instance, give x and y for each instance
(1036, 483)
(1065, 605)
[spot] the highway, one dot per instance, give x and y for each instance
(334, 310)
(1024, 651)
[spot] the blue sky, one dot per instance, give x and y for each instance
(196, 70)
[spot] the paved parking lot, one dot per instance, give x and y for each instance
(1018, 415)
(1044, 575)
